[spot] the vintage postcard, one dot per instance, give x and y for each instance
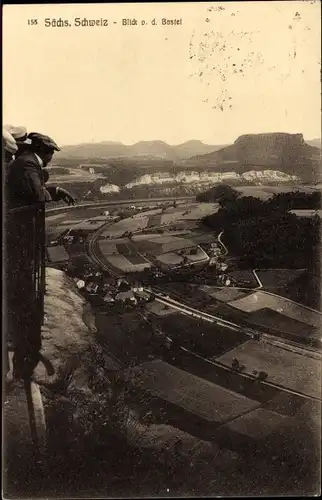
(162, 194)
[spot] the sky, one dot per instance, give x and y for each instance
(227, 69)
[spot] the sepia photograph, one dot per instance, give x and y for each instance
(161, 257)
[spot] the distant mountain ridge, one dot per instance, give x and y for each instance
(282, 152)
(155, 149)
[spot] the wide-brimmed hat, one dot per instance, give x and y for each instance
(8, 142)
(18, 133)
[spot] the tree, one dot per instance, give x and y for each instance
(222, 193)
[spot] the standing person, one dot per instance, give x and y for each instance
(10, 136)
(26, 195)
(25, 181)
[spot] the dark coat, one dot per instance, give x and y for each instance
(24, 181)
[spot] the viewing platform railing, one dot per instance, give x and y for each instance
(24, 273)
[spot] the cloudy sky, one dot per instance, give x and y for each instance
(228, 69)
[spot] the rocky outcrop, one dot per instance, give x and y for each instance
(209, 177)
(262, 176)
(109, 188)
(271, 150)
(288, 153)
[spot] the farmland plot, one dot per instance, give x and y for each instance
(199, 211)
(280, 323)
(225, 294)
(261, 300)
(125, 265)
(121, 226)
(206, 339)
(286, 368)
(198, 396)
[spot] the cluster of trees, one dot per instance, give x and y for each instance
(219, 193)
(279, 240)
(265, 234)
(296, 200)
(306, 290)
(225, 195)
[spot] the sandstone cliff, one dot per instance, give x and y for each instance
(186, 177)
(288, 153)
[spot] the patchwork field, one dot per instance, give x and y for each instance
(73, 216)
(125, 265)
(287, 189)
(286, 368)
(265, 192)
(172, 258)
(160, 309)
(148, 213)
(187, 212)
(198, 396)
(108, 248)
(198, 211)
(260, 300)
(206, 339)
(90, 224)
(224, 294)
(259, 423)
(255, 191)
(138, 250)
(132, 224)
(129, 251)
(71, 175)
(268, 318)
(139, 222)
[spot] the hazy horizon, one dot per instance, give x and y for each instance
(223, 73)
(169, 144)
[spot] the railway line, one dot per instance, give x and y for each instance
(264, 337)
(102, 204)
